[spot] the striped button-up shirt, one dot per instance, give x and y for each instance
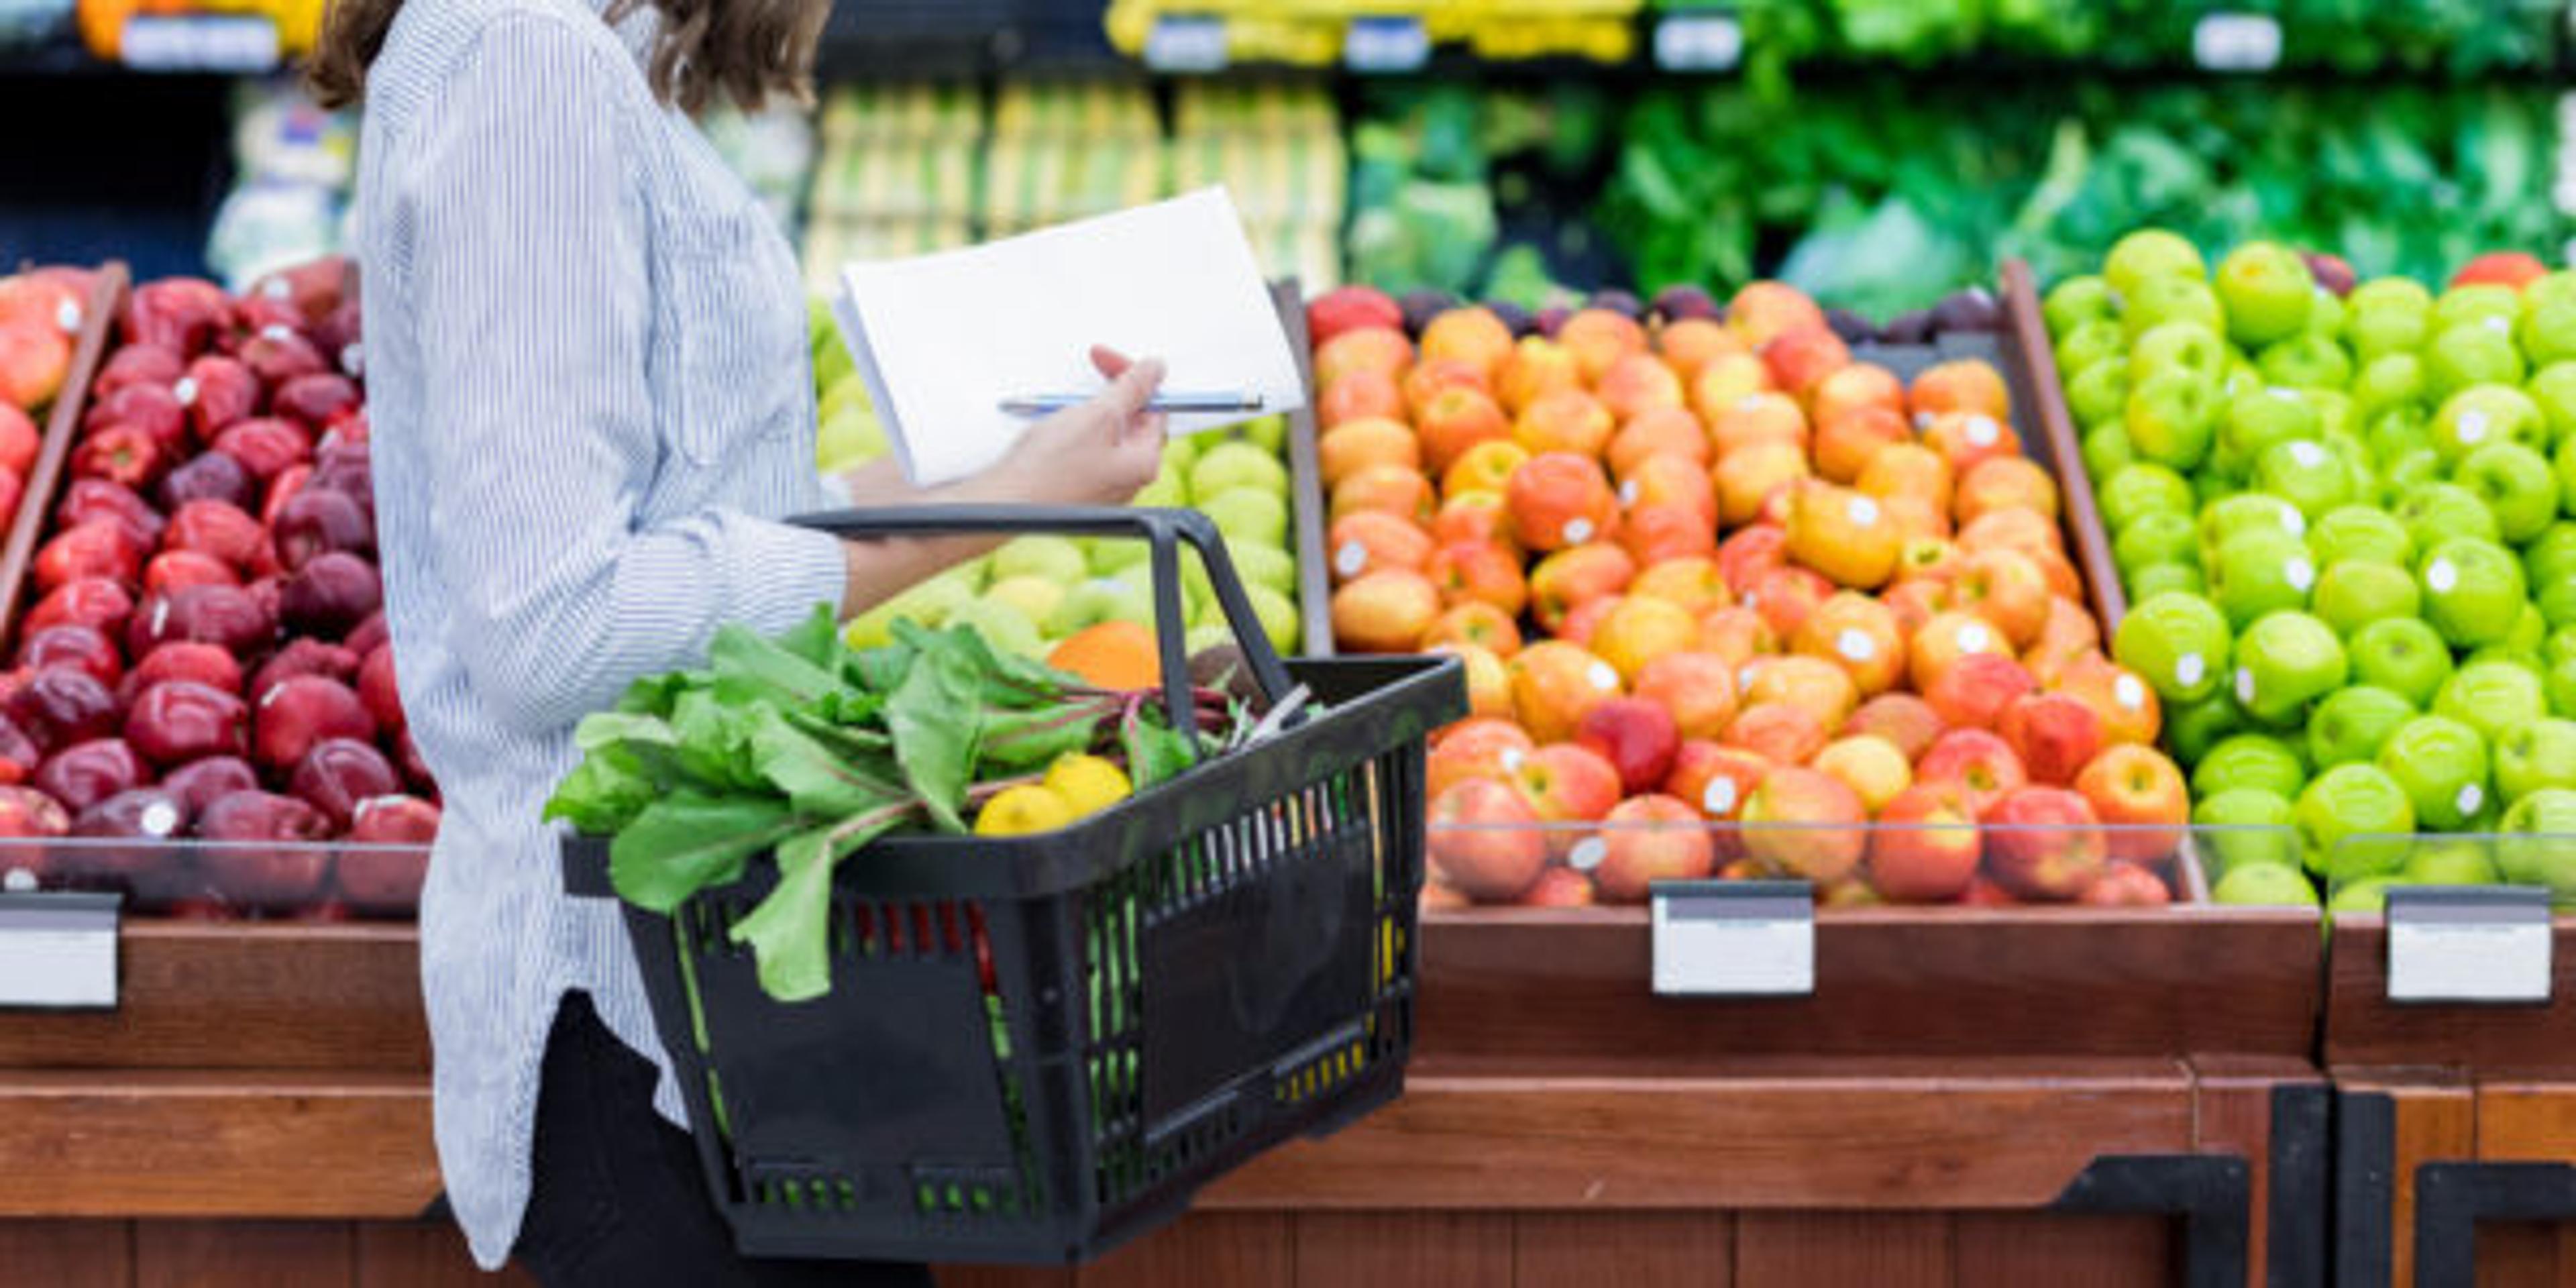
(591, 399)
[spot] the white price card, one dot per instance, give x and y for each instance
(2483, 944)
(1734, 938)
(1386, 45)
(58, 951)
(2236, 42)
(229, 43)
(1699, 42)
(1186, 42)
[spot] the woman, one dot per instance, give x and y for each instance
(591, 401)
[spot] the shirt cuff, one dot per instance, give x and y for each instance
(778, 572)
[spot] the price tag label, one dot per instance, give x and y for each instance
(2236, 42)
(1186, 43)
(2482, 944)
(1386, 45)
(58, 951)
(1699, 42)
(1734, 938)
(229, 43)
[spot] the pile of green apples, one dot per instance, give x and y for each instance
(2345, 517)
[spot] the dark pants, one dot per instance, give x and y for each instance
(619, 1199)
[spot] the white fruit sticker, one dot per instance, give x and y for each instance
(1351, 560)
(160, 615)
(276, 333)
(1864, 512)
(1856, 645)
(1975, 638)
(2472, 797)
(185, 391)
(160, 818)
(2307, 454)
(1628, 492)
(2245, 686)
(1748, 402)
(18, 881)
(1922, 420)
(1587, 854)
(2293, 522)
(276, 288)
(1603, 677)
(1719, 799)
(2128, 692)
(2473, 427)
(68, 317)
(1578, 531)
(1983, 431)
(2302, 575)
(2499, 322)
(353, 360)
(2442, 576)
(1513, 759)
(1744, 680)
(2282, 392)
(2190, 670)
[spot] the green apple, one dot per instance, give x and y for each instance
(2462, 357)
(1035, 598)
(1055, 559)
(2172, 418)
(2482, 414)
(1269, 433)
(2367, 896)
(2407, 472)
(2390, 294)
(2258, 571)
(2264, 885)
(2402, 655)
(2490, 304)
(2158, 578)
(2493, 697)
(928, 603)
(2306, 474)
(2099, 390)
(2442, 764)
(2076, 301)
(2388, 381)
(2351, 724)
(1170, 489)
(2106, 447)
(2346, 802)
(2549, 564)
(2546, 328)
(2150, 253)
(2534, 756)
(2259, 761)
(2396, 432)
(2361, 532)
(2437, 512)
(2306, 361)
(2178, 643)
(2190, 348)
(2449, 863)
(2268, 293)
(2473, 590)
(2541, 847)
(1111, 555)
(2211, 486)
(2091, 345)
(2325, 314)
(1201, 638)
(2384, 321)
(2165, 300)
(1278, 616)
(2192, 729)
(2566, 465)
(1226, 467)
(2256, 420)
(2353, 594)
(2248, 512)
(2553, 389)
(2517, 486)
(1264, 566)
(2558, 671)
(1005, 628)
(2249, 825)
(2284, 661)
(2140, 488)
(2163, 536)
(1249, 515)
(1103, 599)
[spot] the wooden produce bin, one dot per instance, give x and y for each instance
(1967, 1096)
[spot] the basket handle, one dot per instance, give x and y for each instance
(1163, 531)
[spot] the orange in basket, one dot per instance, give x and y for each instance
(1111, 655)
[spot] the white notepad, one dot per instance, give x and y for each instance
(942, 339)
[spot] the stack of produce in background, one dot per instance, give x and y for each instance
(1889, 631)
(201, 652)
(41, 315)
(2346, 519)
(1277, 149)
(1315, 33)
(897, 175)
(1063, 151)
(1478, 192)
(293, 164)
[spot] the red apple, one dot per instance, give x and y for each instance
(1979, 765)
(2055, 735)
(1636, 736)
(2044, 843)
(2126, 885)
(1649, 839)
(1926, 848)
(2140, 794)
(1485, 841)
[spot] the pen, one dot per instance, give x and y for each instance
(1049, 404)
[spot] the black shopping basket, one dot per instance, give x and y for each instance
(1037, 1047)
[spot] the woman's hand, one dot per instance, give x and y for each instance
(1100, 453)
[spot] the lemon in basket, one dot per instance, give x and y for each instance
(1088, 784)
(1023, 811)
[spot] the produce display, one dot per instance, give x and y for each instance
(1727, 597)
(199, 653)
(1316, 33)
(805, 748)
(2345, 516)
(41, 313)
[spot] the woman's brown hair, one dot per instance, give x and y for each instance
(746, 50)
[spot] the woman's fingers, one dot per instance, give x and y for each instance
(1110, 362)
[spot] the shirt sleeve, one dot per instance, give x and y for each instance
(531, 284)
